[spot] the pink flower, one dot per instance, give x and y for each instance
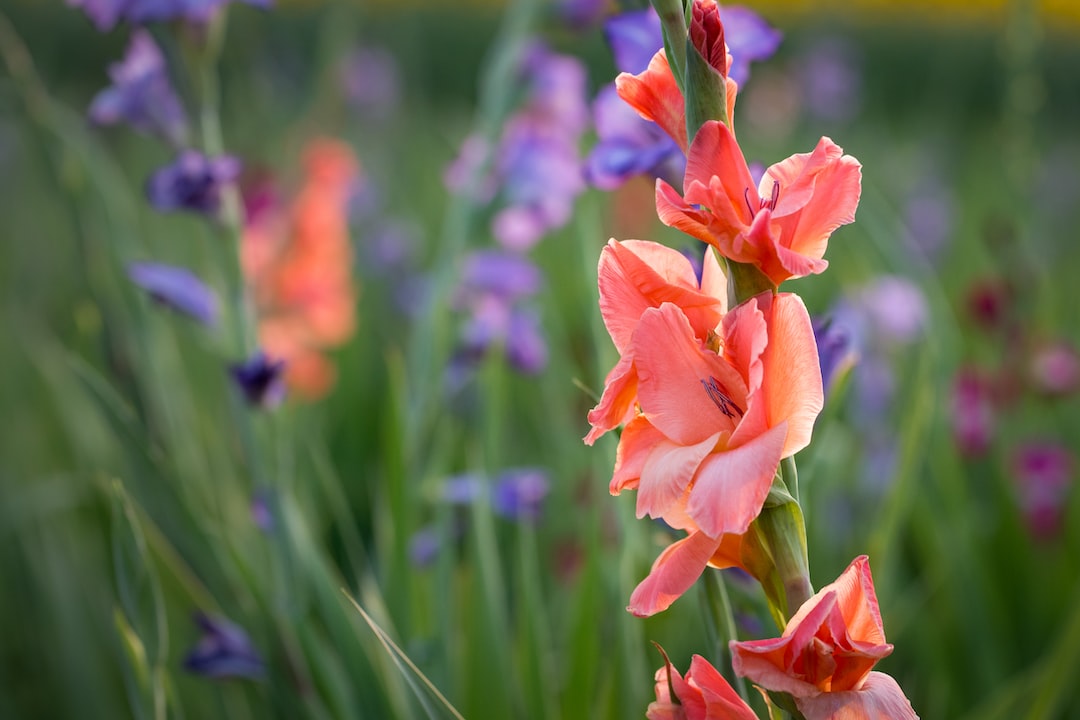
(709, 410)
(827, 651)
(703, 694)
(1055, 368)
(1042, 473)
(633, 276)
(781, 225)
(973, 413)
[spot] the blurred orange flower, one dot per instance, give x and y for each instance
(825, 655)
(298, 265)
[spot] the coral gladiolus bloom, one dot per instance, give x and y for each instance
(782, 225)
(825, 655)
(298, 264)
(711, 420)
(635, 275)
(703, 694)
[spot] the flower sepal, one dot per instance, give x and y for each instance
(745, 280)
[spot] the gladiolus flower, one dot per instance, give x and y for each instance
(224, 651)
(782, 225)
(176, 288)
(703, 694)
(298, 261)
(827, 651)
(711, 403)
(635, 275)
(193, 182)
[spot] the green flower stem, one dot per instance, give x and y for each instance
(721, 620)
(673, 21)
(790, 473)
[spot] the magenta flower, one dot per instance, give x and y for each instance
(141, 94)
(973, 412)
(176, 288)
(1055, 368)
(224, 651)
(1042, 473)
(193, 182)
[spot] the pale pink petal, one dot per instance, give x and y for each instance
(638, 439)
(879, 698)
(792, 379)
(859, 603)
(819, 192)
(746, 334)
(673, 573)
(721, 700)
(713, 279)
(731, 486)
(667, 473)
(616, 405)
(688, 392)
(656, 96)
(677, 213)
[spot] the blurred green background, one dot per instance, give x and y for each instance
(124, 501)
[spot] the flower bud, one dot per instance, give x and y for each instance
(707, 34)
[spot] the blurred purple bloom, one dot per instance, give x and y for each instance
(177, 288)
(105, 14)
(973, 413)
(895, 308)
(836, 349)
(261, 379)
(1042, 472)
(223, 651)
(141, 94)
(581, 14)
(506, 275)
(634, 37)
(829, 76)
(192, 182)
(424, 546)
(526, 348)
(519, 494)
(928, 217)
(629, 145)
(462, 489)
(372, 82)
(262, 513)
(463, 176)
(749, 39)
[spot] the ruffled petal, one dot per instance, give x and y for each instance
(673, 573)
(667, 473)
(686, 391)
(879, 698)
(616, 405)
(638, 439)
(731, 486)
(792, 375)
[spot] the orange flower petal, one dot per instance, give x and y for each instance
(656, 96)
(677, 568)
(879, 698)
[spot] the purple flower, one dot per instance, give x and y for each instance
(105, 14)
(629, 145)
(634, 37)
(424, 546)
(526, 348)
(506, 275)
(829, 75)
(261, 380)
(1042, 473)
(192, 182)
(262, 513)
(895, 308)
(519, 494)
(176, 288)
(224, 651)
(371, 81)
(836, 349)
(581, 14)
(462, 489)
(749, 39)
(141, 94)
